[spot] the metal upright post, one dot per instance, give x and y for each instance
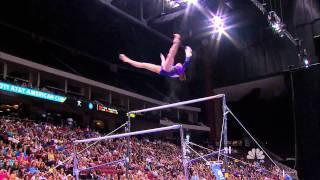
(128, 146)
(5, 71)
(296, 150)
(38, 80)
(66, 86)
(75, 163)
(184, 152)
(225, 119)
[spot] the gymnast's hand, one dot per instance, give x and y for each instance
(163, 59)
(188, 51)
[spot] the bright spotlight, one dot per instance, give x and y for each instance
(276, 27)
(305, 58)
(192, 1)
(276, 23)
(306, 62)
(173, 4)
(218, 24)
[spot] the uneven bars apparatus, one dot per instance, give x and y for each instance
(76, 170)
(183, 146)
(164, 128)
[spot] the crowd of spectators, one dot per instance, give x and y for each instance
(43, 151)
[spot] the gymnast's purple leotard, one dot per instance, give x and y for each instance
(176, 71)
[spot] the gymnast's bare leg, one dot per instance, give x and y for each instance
(148, 66)
(168, 63)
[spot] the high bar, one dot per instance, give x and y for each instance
(129, 134)
(177, 104)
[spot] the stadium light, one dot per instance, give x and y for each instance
(172, 3)
(276, 23)
(218, 24)
(304, 57)
(306, 62)
(180, 3)
(192, 1)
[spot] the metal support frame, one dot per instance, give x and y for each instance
(141, 11)
(89, 92)
(296, 42)
(110, 98)
(76, 169)
(101, 165)
(75, 163)
(38, 80)
(30, 78)
(223, 136)
(128, 103)
(174, 105)
(264, 12)
(128, 129)
(225, 127)
(224, 132)
(183, 143)
(126, 135)
(204, 156)
(183, 154)
(296, 149)
(134, 20)
(66, 86)
(129, 133)
(134, 133)
(5, 71)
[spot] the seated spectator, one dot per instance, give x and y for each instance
(4, 175)
(51, 158)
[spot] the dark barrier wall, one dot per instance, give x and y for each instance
(307, 104)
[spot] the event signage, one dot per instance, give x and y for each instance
(103, 108)
(31, 92)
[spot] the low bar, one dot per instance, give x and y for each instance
(129, 134)
(101, 165)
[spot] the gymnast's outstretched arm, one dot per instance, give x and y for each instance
(187, 60)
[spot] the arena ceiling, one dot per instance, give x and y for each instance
(85, 37)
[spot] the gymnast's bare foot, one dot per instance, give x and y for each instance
(188, 51)
(123, 57)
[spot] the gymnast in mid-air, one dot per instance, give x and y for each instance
(167, 67)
